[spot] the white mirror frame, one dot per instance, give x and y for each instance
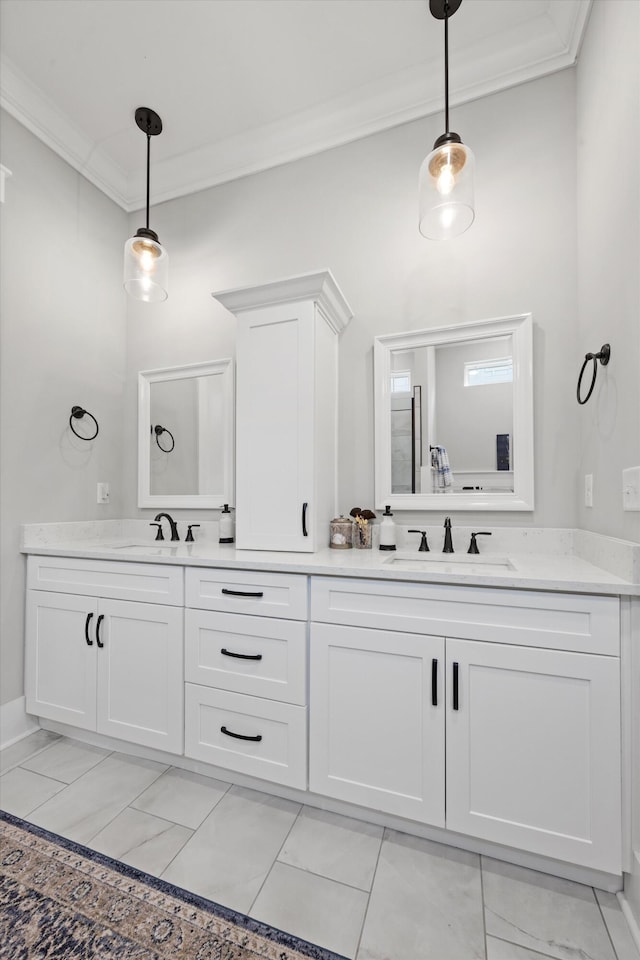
(520, 327)
(221, 368)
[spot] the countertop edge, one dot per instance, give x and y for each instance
(609, 585)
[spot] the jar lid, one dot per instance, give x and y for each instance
(342, 519)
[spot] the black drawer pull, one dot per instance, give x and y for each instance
(456, 700)
(241, 656)
(240, 736)
(304, 519)
(242, 593)
(98, 640)
(86, 629)
(434, 682)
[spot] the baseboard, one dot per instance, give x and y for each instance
(15, 722)
(557, 868)
(630, 917)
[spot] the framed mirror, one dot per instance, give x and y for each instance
(185, 436)
(454, 417)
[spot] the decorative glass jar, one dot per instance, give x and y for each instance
(341, 533)
(362, 534)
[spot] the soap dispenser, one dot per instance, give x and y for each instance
(387, 531)
(226, 526)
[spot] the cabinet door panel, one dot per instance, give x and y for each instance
(376, 737)
(533, 751)
(275, 432)
(60, 681)
(140, 674)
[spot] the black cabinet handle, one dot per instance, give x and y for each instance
(240, 736)
(434, 683)
(241, 656)
(456, 700)
(86, 629)
(304, 519)
(241, 593)
(98, 640)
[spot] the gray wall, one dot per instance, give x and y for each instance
(354, 209)
(63, 339)
(608, 111)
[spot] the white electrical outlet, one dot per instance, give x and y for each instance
(103, 493)
(631, 489)
(588, 489)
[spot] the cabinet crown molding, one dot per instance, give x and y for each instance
(319, 286)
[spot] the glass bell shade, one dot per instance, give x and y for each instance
(446, 189)
(146, 267)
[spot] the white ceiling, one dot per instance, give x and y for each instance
(244, 85)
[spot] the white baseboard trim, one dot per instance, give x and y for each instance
(15, 722)
(586, 875)
(630, 917)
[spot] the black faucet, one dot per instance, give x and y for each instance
(424, 546)
(448, 543)
(172, 524)
(473, 546)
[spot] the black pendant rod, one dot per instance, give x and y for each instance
(149, 168)
(446, 67)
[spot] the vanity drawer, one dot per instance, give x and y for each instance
(260, 656)
(280, 755)
(115, 580)
(561, 621)
(247, 591)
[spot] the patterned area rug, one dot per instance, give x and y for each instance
(61, 900)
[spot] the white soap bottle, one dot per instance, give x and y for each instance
(227, 532)
(387, 531)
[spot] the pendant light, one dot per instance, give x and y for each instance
(145, 260)
(446, 175)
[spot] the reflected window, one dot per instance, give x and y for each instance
(480, 373)
(401, 381)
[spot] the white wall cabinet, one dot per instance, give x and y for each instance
(111, 666)
(286, 410)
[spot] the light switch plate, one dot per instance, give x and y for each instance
(102, 495)
(631, 488)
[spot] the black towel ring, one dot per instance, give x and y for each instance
(603, 356)
(76, 414)
(158, 430)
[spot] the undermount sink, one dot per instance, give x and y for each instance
(451, 562)
(149, 547)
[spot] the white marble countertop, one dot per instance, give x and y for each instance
(525, 570)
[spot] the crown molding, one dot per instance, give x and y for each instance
(545, 44)
(35, 111)
(319, 286)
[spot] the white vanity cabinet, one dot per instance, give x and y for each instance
(533, 750)
(286, 410)
(246, 667)
(377, 721)
(526, 721)
(102, 663)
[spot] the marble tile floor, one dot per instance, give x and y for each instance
(363, 891)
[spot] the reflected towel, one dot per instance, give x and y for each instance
(440, 462)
